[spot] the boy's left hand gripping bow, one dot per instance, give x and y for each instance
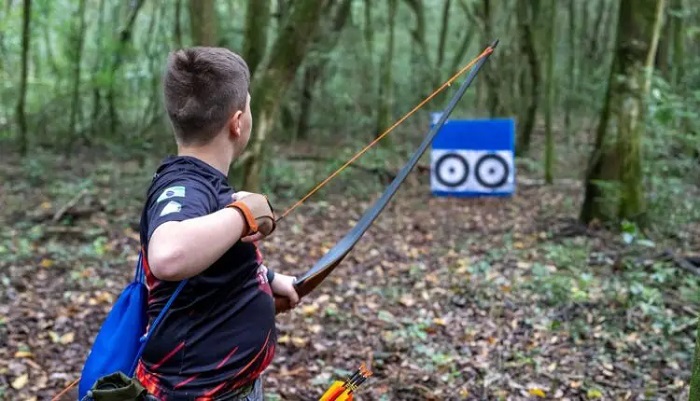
(324, 266)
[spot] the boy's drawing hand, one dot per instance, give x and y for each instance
(283, 285)
(257, 213)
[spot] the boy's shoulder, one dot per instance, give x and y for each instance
(178, 171)
(181, 188)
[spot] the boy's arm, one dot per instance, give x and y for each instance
(187, 235)
(181, 249)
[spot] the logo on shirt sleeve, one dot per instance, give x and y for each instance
(172, 192)
(171, 207)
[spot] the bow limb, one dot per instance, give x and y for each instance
(324, 266)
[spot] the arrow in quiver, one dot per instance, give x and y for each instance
(342, 391)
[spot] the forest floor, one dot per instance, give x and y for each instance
(443, 298)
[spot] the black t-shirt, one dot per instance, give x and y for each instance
(219, 333)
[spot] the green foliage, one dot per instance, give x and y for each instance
(639, 289)
(672, 148)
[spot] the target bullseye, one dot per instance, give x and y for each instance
(451, 170)
(492, 171)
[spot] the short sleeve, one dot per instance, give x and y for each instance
(182, 199)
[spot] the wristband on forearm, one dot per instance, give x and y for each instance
(257, 213)
(270, 275)
(251, 225)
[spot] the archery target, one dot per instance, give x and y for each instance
(473, 157)
(451, 170)
(470, 171)
(492, 171)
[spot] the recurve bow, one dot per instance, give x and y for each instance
(328, 262)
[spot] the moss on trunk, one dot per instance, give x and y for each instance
(272, 81)
(614, 183)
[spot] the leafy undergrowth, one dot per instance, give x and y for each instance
(444, 299)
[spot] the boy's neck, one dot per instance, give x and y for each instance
(217, 156)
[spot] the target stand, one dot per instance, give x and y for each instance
(471, 158)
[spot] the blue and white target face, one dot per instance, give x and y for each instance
(473, 157)
(469, 171)
(451, 170)
(492, 171)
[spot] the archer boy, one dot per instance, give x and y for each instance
(219, 334)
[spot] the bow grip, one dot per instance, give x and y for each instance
(282, 304)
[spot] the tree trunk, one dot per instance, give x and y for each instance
(695, 375)
(314, 69)
(271, 83)
(440, 56)
(21, 100)
(678, 31)
(49, 43)
(616, 161)
(490, 80)
(203, 22)
(97, 67)
(386, 96)
(5, 11)
(573, 77)
(257, 25)
(526, 19)
(595, 41)
(177, 28)
(79, 37)
(549, 135)
(466, 40)
(124, 39)
(368, 28)
(662, 60)
(423, 69)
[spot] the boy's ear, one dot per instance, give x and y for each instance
(234, 124)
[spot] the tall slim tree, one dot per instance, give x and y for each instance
(432, 68)
(678, 32)
(695, 374)
(572, 72)
(256, 28)
(274, 79)
(327, 39)
(490, 81)
(117, 60)
(616, 160)
(530, 80)
(21, 99)
(177, 24)
(551, 85)
(386, 94)
(203, 22)
(78, 36)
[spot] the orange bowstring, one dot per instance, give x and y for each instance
(447, 83)
(65, 390)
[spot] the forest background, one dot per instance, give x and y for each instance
(584, 284)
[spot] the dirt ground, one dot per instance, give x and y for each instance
(443, 298)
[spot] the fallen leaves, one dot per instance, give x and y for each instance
(19, 382)
(46, 263)
(298, 342)
(407, 300)
(23, 354)
(537, 392)
(309, 310)
(64, 339)
(433, 297)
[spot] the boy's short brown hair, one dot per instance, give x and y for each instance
(203, 87)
